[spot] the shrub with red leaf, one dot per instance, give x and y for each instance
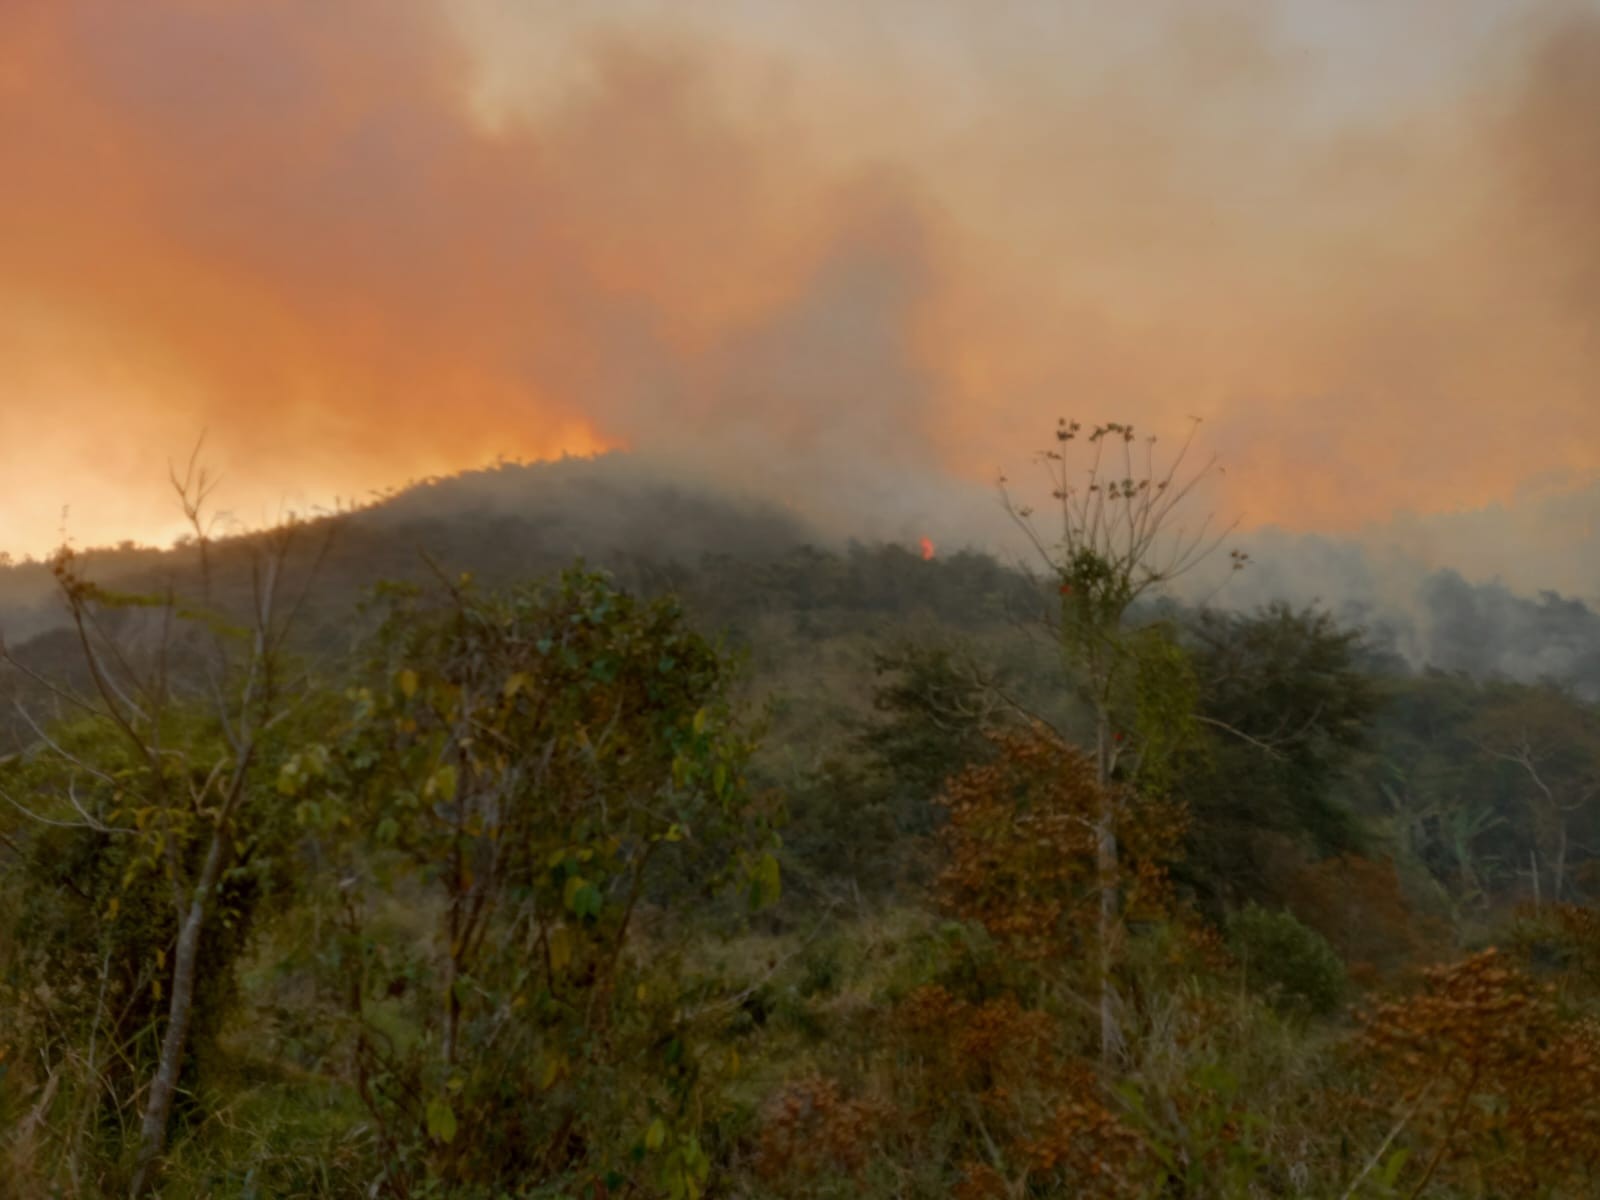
(1020, 846)
(1498, 1087)
(810, 1128)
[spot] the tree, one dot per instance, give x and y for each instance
(1489, 783)
(933, 706)
(1022, 846)
(1549, 744)
(531, 760)
(993, 1058)
(1286, 711)
(1421, 775)
(173, 744)
(1294, 964)
(1118, 540)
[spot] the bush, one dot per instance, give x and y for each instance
(1292, 963)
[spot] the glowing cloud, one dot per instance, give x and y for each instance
(353, 243)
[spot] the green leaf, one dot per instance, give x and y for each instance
(441, 1120)
(656, 1135)
(766, 882)
(560, 944)
(408, 683)
(550, 1070)
(289, 778)
(443, 783)
(1392, 1166)
(588, 902)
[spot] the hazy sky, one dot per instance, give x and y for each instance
(820, 248)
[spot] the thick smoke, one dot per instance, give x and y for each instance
(1427, 615)
(856, 261)
(286, 225)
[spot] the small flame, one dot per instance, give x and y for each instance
(927, 549)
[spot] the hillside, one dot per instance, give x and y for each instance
(766, 867)
(654, 528)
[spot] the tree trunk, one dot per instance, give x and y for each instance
(1557, 885)
(164, 1086)
(1106, 854)
(452, 973)
(1110, 898)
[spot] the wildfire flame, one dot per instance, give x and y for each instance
(927, 549)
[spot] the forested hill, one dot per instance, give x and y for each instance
(1419, 760)
(505, 522)
(764, 867)
(733, 558)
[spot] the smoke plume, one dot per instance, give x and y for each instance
(858, 260)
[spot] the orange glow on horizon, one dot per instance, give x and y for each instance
(351, 245)
(146, 513)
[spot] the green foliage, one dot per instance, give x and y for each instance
(100, 883)
(1166, 695)
(931, 702)
(864, 814)
(532, 759)
(1487, 787)
(1286, 714)
(1293, 965)
(487, 926)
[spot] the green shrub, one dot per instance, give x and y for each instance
(1294, 965)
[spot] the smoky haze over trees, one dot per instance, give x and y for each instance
(650, 520)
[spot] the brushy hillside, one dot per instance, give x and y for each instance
(655, 529)
(756, 867)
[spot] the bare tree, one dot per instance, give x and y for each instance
(146, 660)
(1557, 799)
(1118, 537)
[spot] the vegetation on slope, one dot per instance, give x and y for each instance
(776, 874)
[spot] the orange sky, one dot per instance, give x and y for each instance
(363, 242)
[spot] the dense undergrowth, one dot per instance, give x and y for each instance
(794, 889)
